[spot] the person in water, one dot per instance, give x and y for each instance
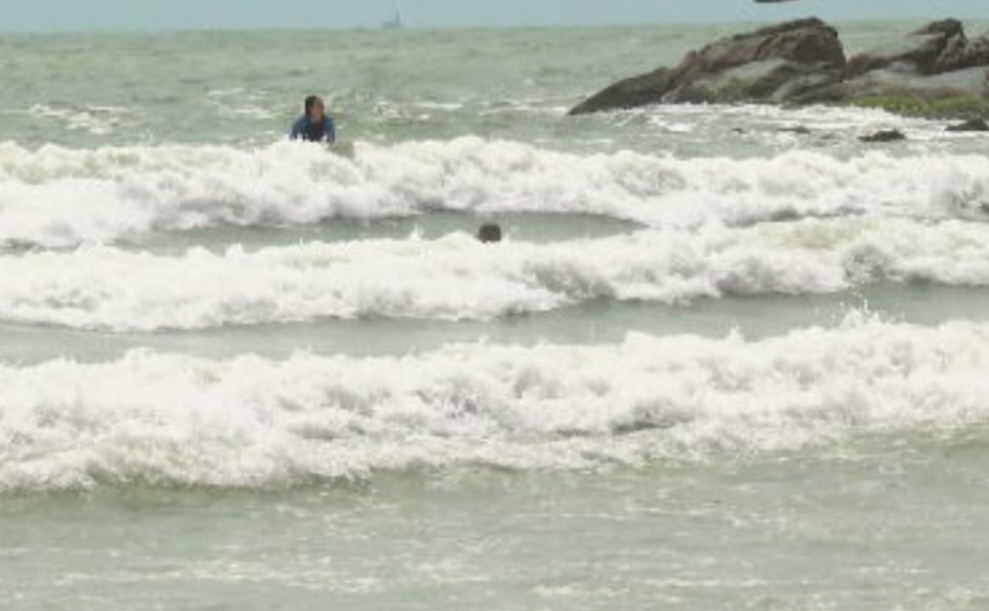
(489, 232)
(315, 125)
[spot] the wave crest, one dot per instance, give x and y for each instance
(167, 419)
(57, 197)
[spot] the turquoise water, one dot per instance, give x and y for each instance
(716, 363)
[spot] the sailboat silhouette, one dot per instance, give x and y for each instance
(395, 23)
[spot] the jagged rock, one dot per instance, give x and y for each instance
(753, 65)
(888, 135)
(972, 125)
(936, 48)
(633, 92)
(935, 71)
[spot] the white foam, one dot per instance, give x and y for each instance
(166, 419)
(62, 197)
(97, 120)
(239, 102)
(457, 277)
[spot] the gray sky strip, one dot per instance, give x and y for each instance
(73, 15)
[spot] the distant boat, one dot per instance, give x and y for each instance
(394, 23)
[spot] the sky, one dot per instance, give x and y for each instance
(115, 15)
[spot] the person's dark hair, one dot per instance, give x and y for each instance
(489, 232)
(311, 101)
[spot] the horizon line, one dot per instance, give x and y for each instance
(406, 27)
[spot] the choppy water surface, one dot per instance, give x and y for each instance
(724, 358)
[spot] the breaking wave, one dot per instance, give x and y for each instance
(58, 197)
(164, 419)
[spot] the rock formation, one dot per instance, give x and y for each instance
(935, 70)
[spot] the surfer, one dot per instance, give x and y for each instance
(315, 125)
(489, 232)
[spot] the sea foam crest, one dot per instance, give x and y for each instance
(62, 197)
(458, 278)
(168, 419)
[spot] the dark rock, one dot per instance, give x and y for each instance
(972, 125)
(805, 41)
(961, 94)
(889, 135)
(935, 71)
(936, 48)
(637, 91)
(489, 232)
(741, 67)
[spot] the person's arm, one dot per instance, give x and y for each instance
(298, 128)
(331, 130)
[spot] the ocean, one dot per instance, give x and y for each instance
(725, 358)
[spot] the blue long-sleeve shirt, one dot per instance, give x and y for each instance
(305, 129)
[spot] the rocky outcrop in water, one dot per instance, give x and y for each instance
(936, 48)
(972, 125)
(935, 71)
(887, 135)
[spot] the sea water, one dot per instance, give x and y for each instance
(724, 357)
